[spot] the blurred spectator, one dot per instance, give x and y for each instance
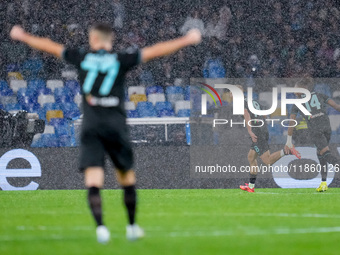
(193, 21)
(325, 52)
(336, 72)
(145, 76)
(32, 66)
(180, 65)
(239, 70)
(254, 63)
(288, 38)
(213, 66)
(165, 74)
(218, 25)
(119, 14)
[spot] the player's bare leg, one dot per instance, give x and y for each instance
(252, 155)
(267, 158)
(94, 177)
(128, 180)
(94, 181)
(270, 159)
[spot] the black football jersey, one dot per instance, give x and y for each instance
(101, 75)
(317, 106)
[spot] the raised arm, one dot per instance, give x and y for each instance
(332, 103)
(166, 48)
(38, 43)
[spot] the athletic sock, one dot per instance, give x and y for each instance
(95, 204)
(130, 199)
(327, 157)
(324, 166)
(330, 158)
(282, 153)
(252, 180)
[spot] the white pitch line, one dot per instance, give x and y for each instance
(294, 193)
(49, 212)
(186, 233)
(294, 215)
(54, 228)
(33, 238)
(190, 214)
(254, 232)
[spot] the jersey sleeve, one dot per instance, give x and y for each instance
(129, 58)
(325, 98)
(73, 56)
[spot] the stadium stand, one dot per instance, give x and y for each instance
(183, 113)
(130, 106)
(139, 90)
(78, 99)
(154, 90)
(4, 100)
(3, 85)
(164, 109)
(71, 110)
(174, 94)
(335, 122)
(132, 114)
(187, 93)
(136, 98)
(44, 99)
(73, 86)
(15, 85)
(249, 54)
(181, 105)
(53, 114)
(154, 98)
(146, 109)
(53, 84)
(13, 107)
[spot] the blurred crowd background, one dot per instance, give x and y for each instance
(256, 42)
(242, 39)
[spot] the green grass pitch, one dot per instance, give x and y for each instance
(270, 221)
